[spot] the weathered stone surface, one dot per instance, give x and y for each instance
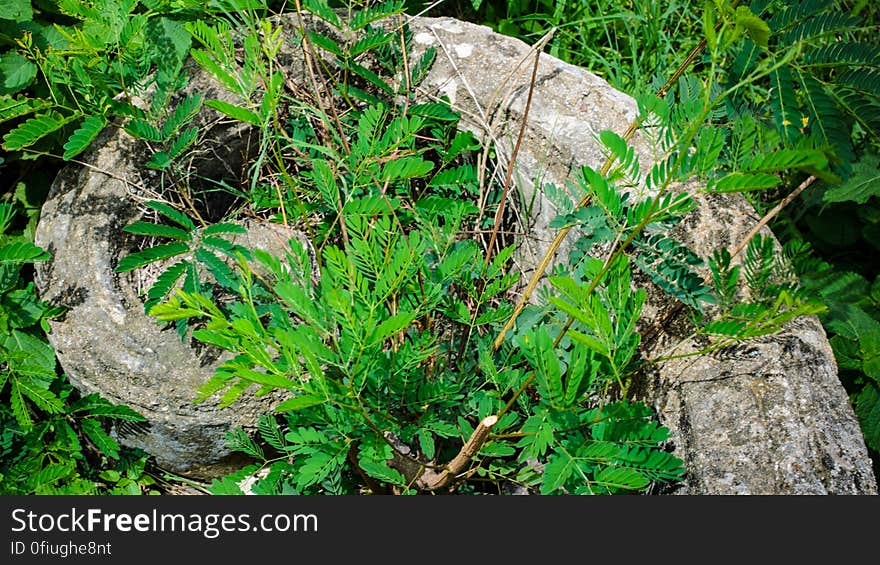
(764, 417)
(105, 342)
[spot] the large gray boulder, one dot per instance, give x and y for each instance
(768, 416)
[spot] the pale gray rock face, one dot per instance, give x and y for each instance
(765, 417)
(768, 416)
(105, 342)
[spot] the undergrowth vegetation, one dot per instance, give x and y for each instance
(823, 96)
(398, 327)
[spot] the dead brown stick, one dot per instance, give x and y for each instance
(499, 213)
(772, 214)
(433, 480)
(563, 232)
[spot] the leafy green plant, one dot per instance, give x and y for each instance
(53, 441)
(821, 97)
(61, 81)
(829, 262)
(826, 98)
(391, 347)
(409, 366)
(195, 246)
(397, 341)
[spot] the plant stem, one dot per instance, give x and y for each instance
(499, 213)
(563, 232)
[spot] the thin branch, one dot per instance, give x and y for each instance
(499, 213)
(658, 325)
(563, 232)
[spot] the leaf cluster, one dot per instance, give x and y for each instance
(53, 441)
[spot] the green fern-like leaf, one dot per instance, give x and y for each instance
(420, 69)
(183, 114)
(838, 52)
(22, 252)
(158, 230)
(866, 81)
(151, 255)
(864, 109)
(214, 36)
(143, 130)
(271, 432)
(744, 182)
(825, 118)
(160, 161)
(182, 142)
(223, 76)
(15, 107)
(83, 136)
(322, 9)
(620, 478)
(221, 228)
(220, 270)
(369, 76)
(788, 159)
(238, 440)
(323, 42)
(371, 40)
(783, 103)
(819, 25)
(436, 110)
(44, 399)
(627, 160)
(96, 406)
(163, 285)
(103, 441)
(754, 26)
(868, 412)
(52, 473)
(724, 277)
(760, 264)
(234, 392)
(172, 214)
(34, 129)
(671, 266)
(863, 183)
(406, 168)
(794, 13)
(235, 112)
(361, 18)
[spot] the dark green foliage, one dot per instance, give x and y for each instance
(102, 49)
(53, 441)
(401, 317)
(189, 239)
